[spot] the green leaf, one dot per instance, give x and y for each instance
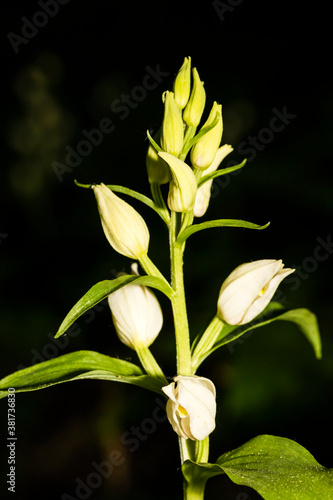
(188, 144)
(277, 468)
(216, 223)
(134, 194)
(154, 143)
(303, 318)
(308, 324)
(218, 173)
(77, 366)
(103, 289)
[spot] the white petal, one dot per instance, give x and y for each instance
(262, 301)
(136, 314)
(198, 399)
(183, 186)
(191, 407)
(169, 390)
(203, 194)
(174, 419)
(243, 287)
(123, 226)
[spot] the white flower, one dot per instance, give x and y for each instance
(203, 193)
(191, 407)
(124, 228)
(136, 314)
(248, 290)
(183, 186)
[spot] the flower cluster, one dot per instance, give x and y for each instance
(183, 110)
(136, 313)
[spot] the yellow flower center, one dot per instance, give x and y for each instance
(263, 290)
(182, 412)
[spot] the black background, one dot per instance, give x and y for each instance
(256, 57)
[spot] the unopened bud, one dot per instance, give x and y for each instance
(182, 84)
(183, 186)
(136, 314)
(124, 228)
(204, 151)
(173, 128)
(196, 104)
(157, 169)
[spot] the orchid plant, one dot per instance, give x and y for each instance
(186, 157)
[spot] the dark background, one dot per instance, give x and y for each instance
(255, 57)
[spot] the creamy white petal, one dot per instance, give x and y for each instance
(124, 228)
(199, 402)
(183, 186)
(191, 408)
(136, 314)
(203, 194)
(249, 289)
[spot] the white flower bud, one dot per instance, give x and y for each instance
(124, 228)
(183, 186)
(249, 289)
(204, 151)
(196, 103)
(191, 407)
(203, 193)
(157, 169)
(136, 314)
(182, 84)
(172, 128)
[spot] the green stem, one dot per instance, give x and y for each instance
(189, 134)
(159, 201)
(150, 364)
(150, 268)
(197, 451)
(194, 490)
(178, 302)
(206, 342)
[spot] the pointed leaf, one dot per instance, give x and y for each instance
(218, 173)
(134, 194)
(308, 324)
(277, 468)
(203, 131)
(77, 366)
(303, 318)
(154, 143)
(217, 223)
(102, 290)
